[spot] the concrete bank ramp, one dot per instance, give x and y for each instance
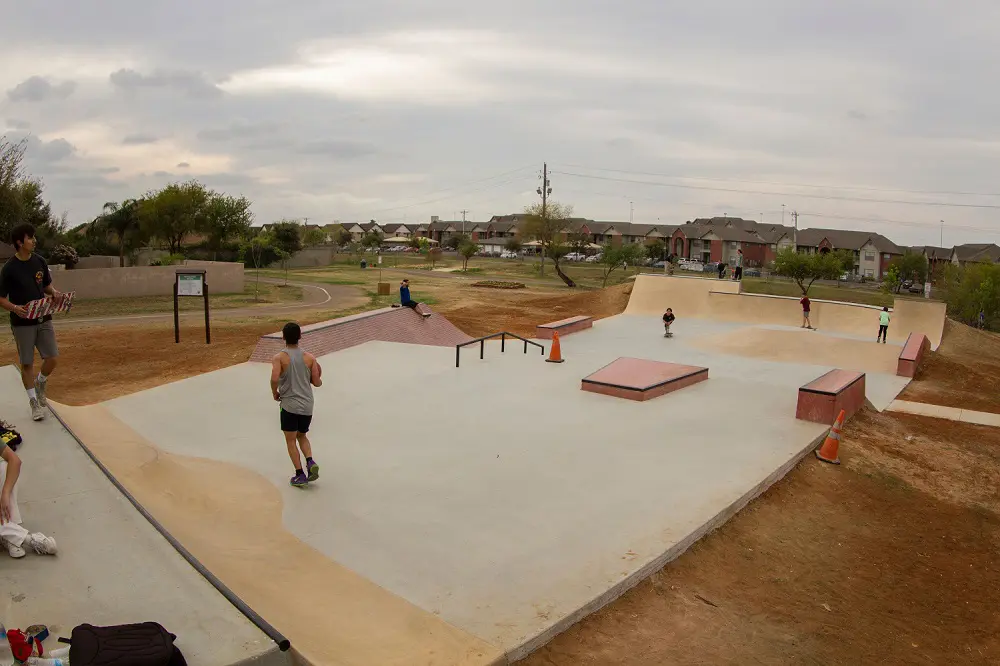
(383, 325)
(721, 300)
(113, 567)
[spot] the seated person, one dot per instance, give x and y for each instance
(668, 319)
(12, 536)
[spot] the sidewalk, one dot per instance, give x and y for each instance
(940, 412)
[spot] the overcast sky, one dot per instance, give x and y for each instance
(401, 109)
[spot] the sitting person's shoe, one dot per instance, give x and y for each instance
(14, 551)
(41, 544)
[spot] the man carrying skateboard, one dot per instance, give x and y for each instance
(25, 278)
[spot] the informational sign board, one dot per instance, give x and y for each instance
(46, 306)
(927, 289)
(190, 284)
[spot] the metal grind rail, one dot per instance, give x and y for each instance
(503, 340)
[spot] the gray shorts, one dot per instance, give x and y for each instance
(28, 338)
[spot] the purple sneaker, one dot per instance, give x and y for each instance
(299, 480)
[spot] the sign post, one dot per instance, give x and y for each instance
(190, 282)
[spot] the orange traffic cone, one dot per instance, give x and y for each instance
(555, 354)
(828, 452)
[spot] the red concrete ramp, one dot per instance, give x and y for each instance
(385, 325)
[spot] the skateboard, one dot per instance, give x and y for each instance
(48, 305)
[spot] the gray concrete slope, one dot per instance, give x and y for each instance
(113, 566)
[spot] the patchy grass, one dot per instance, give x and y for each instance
(117, 307)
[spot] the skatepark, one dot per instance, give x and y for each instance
(466, 515)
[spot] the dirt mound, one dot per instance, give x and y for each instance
(963, 372)
(519, 311)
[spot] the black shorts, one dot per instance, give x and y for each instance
(295, 422)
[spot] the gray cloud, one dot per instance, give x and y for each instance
(40, 89)
(193, 84)
(139, 139)
(14, 123)
(338, 148)
(183, 165)
(297, 95)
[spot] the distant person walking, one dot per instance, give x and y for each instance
(294, 373)
(738, 273)
(804, 302)
(25, 278)
(883, 325)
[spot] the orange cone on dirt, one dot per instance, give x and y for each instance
(555, 354)
(828, 452)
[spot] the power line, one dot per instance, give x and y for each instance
(786, 194)
(455, 195)
(786, 184)
(455, 187)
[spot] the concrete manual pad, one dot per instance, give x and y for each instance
(506, 523)
(642, 379)
(113, 567)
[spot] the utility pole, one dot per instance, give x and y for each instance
(463, 221)
(795, 233)
(545, 190)
(942, 234)
(631, 211)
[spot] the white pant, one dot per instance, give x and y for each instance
(12, 532)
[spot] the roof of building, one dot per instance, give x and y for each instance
(845, 239)
(978, 252)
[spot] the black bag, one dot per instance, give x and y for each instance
(9, 436)
(144, 644)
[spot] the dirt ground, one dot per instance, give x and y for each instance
(963, 372)
(892, 557)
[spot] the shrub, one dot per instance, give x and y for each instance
(65, 255)
(498, 284)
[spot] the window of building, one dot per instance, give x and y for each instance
(885, 256)
(869, 256)
(869, 272)
(773, 246)
(733, 245)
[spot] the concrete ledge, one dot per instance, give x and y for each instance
(563, 326)
(821, 400)
(917, 345)
(640, 379)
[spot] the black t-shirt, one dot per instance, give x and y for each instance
(23, 281)
(668, 318)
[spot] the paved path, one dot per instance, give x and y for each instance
(314, 296)
(941, 412)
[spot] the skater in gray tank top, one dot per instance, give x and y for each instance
(294, 373)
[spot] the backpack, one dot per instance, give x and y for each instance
(144, 644)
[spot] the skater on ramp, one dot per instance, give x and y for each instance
(883, 325)
(804, 302)
(294, 373)
(668, 319)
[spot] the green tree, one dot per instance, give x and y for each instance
(372, 240)
(892, 282)
(467, 250)
(64, 255)
(226, 218)
(578, 242)
(342, 237)
(805, 268)
(313, 236)
(545, 226)
(175, 212)
(287, 236)
(258, 250)
(614, 257)
(971, 289)
(513, 244)
(455, 241)
(657, 249)
(12, 178)
(121, 221)
(909, 266)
